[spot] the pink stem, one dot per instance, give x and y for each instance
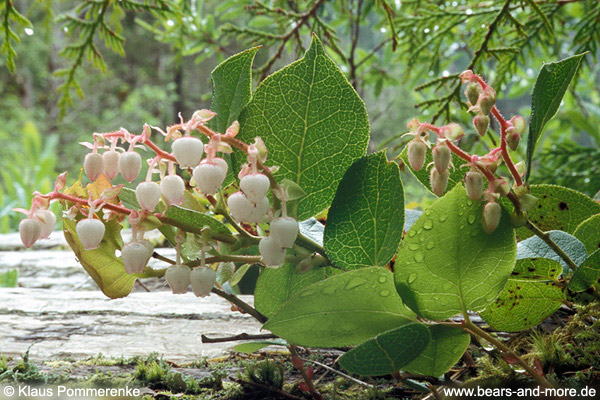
(83, 202)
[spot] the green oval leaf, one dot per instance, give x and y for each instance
(587, 273)
(388, 352)
(446, 347)
(232, 88)
(313, 124)
(588, 232)
(559, 208)
(535, 247)
(447, 264)
(550, 87)
(254, 346)
(528, 297)
(193, 221)
(364, 226)
(343, 310)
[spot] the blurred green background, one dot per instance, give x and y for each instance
(71, 68)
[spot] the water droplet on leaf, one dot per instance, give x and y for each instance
(411, 278)
(428, 224)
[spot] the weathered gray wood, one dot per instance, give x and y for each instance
(84, 323)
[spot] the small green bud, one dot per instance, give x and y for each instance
(519, 124)
(481, 123)
(416, 154)
(473, 91)
(512, 139)
(474, 184)
(441, 157)
(453, 131)
(487, 99)
(491, 216)
(501, 186)
(439, 181)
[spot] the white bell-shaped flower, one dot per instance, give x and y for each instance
(272, 252)
(130, 164)
(255, 187)
(93, 166)
(48, 222)
(178, 278)
(90, 233)
(285, 231)
(135, 257)
(30, 230)
(172, 187)
(111, 164)
(148, 195)
(188, 151)
(202, 280)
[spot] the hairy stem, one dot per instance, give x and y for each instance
(552, 244)
(247, 308)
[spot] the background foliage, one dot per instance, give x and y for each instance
(70, 68)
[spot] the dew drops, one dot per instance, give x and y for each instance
(469, 202)
(354, 283)
(382, 279)
(411, 278)
(384, 293)
(443, 217)
(428, 224)
(428, 212)
(419, 257)
(411, 233)
(413, 246)
(471, 218)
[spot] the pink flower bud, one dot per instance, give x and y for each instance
(209, 176)
(178, 278)
(202, 280)
(90, 233)
(111, 164)
(474, 184)
(441, 157)
(255, 187)
(188, 151)
(472, 93)
(272, 252)
(416, 154)
(148, 195)
(491, 216)
(47, 220)
(487, 99)
(135, 257)
(439, 181)
(172, 187)
(512, 139)
(453, 131)
(519, 124)
(93, 166)
(481, 123)
(130, 164)
(30, 230)
(285, 231)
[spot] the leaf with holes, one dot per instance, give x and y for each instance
(535, 247)
(313, 124)
(342, 310)
(588, 232)
(446, 347)
(388, 352)
(447, 264)
(364, 226)
(587, 274)
(456, 175)
(530, 296)
(550, 87)
(558, 208)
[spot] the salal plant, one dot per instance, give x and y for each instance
(242, 184)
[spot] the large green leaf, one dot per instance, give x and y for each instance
(535, 247)
(365, 222)
(447, 264)
(456, 175)
(530, 296)
(232, 88)
(559, 208)
(588, 232)
(343, 310)
(275, 286)
(587, 273)
(313, 124)
(446, 347)
(102, 264)
(388, 352)
(550, 87)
